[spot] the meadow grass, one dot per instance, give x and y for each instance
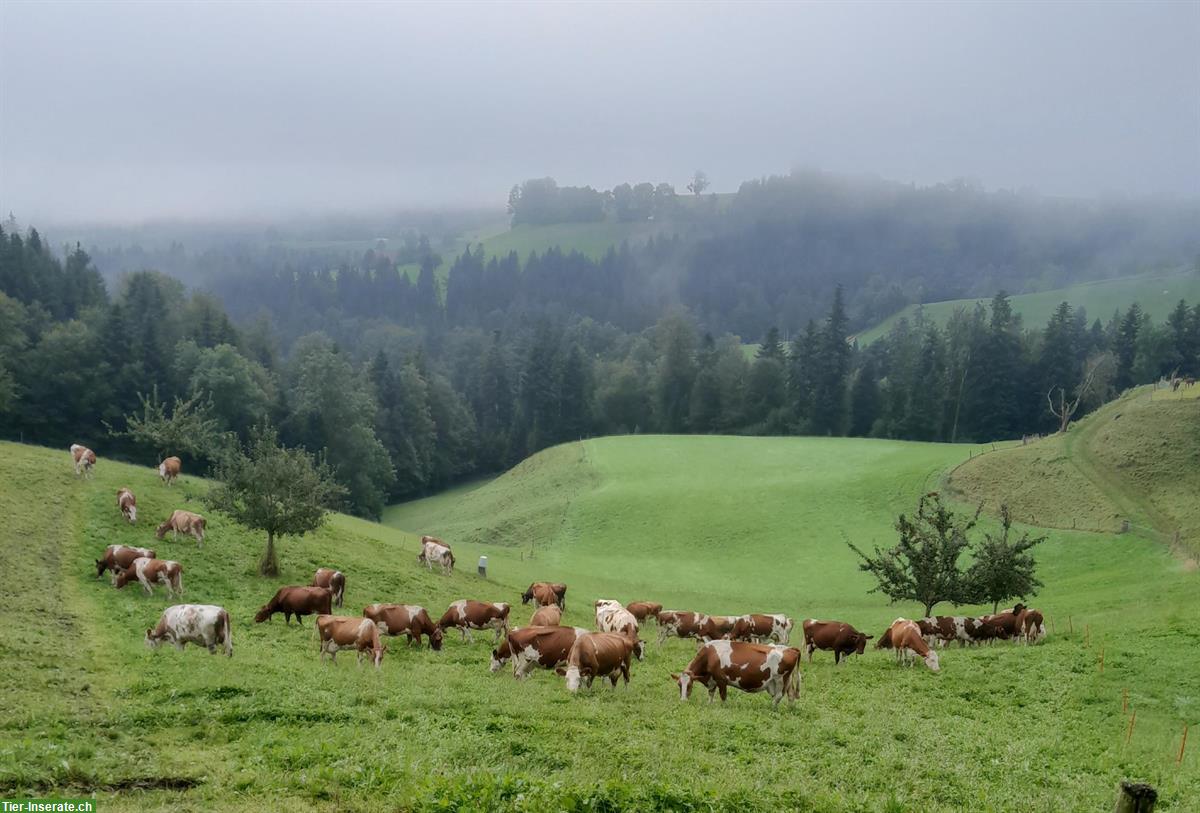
(714, 524)
(1157, 292)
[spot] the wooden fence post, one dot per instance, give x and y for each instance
(1101, 660)
(1182, 745)
(1135, 797)
(1070, 626)
(1125, 700)
(1132, 723)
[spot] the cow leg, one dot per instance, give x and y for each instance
(146, 585)
(723, 689)
(468, 635)
(614, 677)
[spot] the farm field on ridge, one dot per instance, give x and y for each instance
(711, 523)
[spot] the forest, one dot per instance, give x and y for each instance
(409, 386)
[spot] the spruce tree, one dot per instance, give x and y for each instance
(832, 367)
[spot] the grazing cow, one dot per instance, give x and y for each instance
(345, 632)
(335, 580)
(150, 571)
(750, 667)
(183, 522)
(205, 625)
(717, 626)
(597, 654)
(644, 609)
(545, 594)
(169, 469)
(906, 639)
(119, 557)
(83, 458)
(549, 616)
(679, 623)
(612, 617)
(839, 636)
(406, 619)
(435, 550)
(128, 504)
(761, 628)
(1031, 626)
(533, 646)
(962, 628)
(468, 615)
(1006, 621)
(297, 601)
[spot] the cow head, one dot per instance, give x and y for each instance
(1018, 609)
(122, 577)
(860, 642)
(500, 656)
(685, 681)
(885, 640)
(931, 660)
(435, 639)
(527, 596)
(378, 651)
(162, 529)
(574, 678)
(264, 613)
(151, 640)
(101, 566)
(639, 649)
(131, 514)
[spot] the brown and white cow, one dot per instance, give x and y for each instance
(298, 601)
(598, 654)
(713, 627)
(183, 522)
(534, 646)
(720, 664)
(150, 572)
(205, 625)
(905, 637)
(965, 629)
(467, 615)
(128, 504)
(119, 557)
(678, 623)
(838, 636)
(83, 458)
(346, 632)
(335, 580)
(644, 609)
(545, 594)
(762, 627)
(405, 619)
(1031, 626)
(1006, 621)
(549, 616)
(435, 551)
(169, 469)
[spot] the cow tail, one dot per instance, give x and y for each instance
(793, 688)
(227, 630)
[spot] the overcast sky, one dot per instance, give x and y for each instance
(116, 111)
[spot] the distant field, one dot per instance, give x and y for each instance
(1157, 294)
(718, 524)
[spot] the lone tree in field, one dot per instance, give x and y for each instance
(1004, 569)
(285, 492)
(1066, 409)
(923, 567)
(698, 183)
(190, 428)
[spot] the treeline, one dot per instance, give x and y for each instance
(399, 408)
(542, 202)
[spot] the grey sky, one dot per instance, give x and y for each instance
(139, 110)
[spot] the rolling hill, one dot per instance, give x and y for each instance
(717, 524)
(1157, 293)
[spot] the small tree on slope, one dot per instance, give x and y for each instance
(1004, 569)
(924, 567)
(285, 492)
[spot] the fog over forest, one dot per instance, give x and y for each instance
(112, 112)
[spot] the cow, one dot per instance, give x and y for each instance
(468, 615)
(183, 522)
(1031, 626)
(838, 636)
(906, 639)
(405, 619)
(205, 625)
(335, 580)
(118, 557)
(598, 654)
(548, 616)
(612, 617)
(717, 626)
(772, 668)
(546, 593)
(435, 550)
(83, 458)
(149, 571)
(965, 629)
(760, 628)
(298, 601)
(533, 646)
(345, 632)
(169, 469)
(128, 504)
(679, 623)
(644, 609)
(1006, 621)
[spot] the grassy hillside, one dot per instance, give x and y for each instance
(1136, 459)
(716, 524)
(1157, 293)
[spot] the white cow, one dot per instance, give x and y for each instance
(434, 550)
(205, 625)
(611, 616)
(83, 458)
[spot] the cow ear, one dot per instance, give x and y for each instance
(561, 671)
(675, 678)
(868, 636)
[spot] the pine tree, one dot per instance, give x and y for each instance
(704, 413)
(832, 367)
(802, 374)
(675, 338)
(864, 400)
(1125, 346)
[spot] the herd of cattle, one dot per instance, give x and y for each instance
(749, 652)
